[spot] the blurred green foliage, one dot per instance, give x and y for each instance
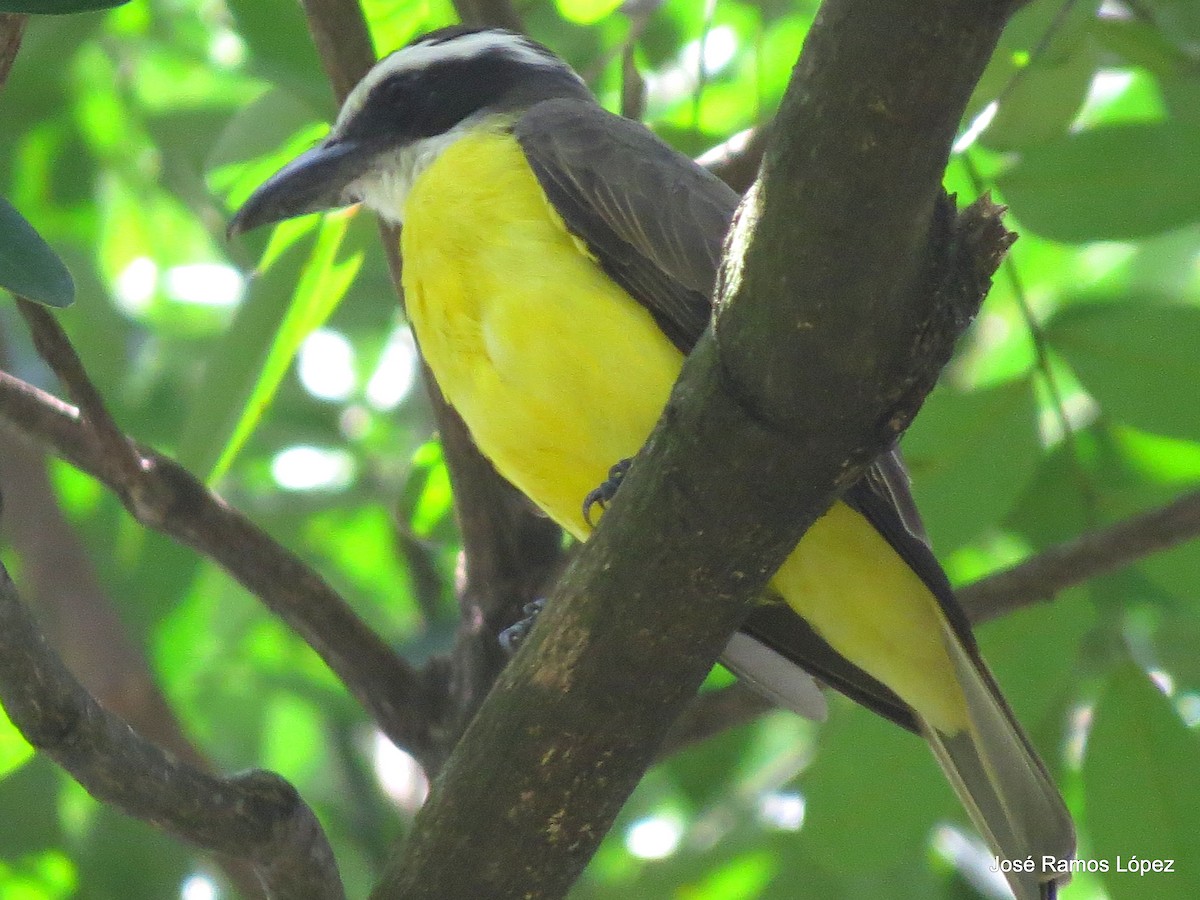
(131, 133)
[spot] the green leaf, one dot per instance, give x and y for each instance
(1042, 100)
(1143, 797)
(1141, 44)
(282, 48)
(28, 266)
(323, 283)
(585, 12)
(1174, 570)
(428, 498)
(1138, 360)
(1042, 32)
(259, 140)
(970, 455)
(29, 789)
(56, 7)
(293, 738)
(1178, 19)
(1182, 97)
(15, 751)
(742, 878)
(873, 794)
(118, 851)
(1111, 183)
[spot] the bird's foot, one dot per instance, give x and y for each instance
(603, 495)
(512, 636)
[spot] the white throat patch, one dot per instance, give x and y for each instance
(385, 187)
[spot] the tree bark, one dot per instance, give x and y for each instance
(847, 282)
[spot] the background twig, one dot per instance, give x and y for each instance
(1095, 553)
(391, 691)
(256, 816)
(12, 27)
(81, 622)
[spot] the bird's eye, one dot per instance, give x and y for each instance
(394, 90)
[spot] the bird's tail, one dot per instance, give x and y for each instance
(1000, 780)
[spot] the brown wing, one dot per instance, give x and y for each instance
(653, 219)
(656, 223)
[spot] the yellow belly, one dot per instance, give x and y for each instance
(558, 373)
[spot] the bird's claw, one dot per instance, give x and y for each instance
(512, 636)
(604, 494)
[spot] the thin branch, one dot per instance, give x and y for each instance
(392, 692)
(255, 816)
(633, 85)
(343, 40)
(1037, 335)
(81, 621)
(12, 28)
(1082, 558)
(53, 345)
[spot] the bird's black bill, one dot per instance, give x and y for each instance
(313, 182)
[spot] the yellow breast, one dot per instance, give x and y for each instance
(522, 329)
(559, 374)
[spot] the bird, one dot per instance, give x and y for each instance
(558, 265)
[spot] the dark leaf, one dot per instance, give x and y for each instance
(28, 266)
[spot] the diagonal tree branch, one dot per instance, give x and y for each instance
(55, 348)
(81, 622)
(848, 282)
(1095, 553)
(12, 28)
(255, 816)
(392, 692)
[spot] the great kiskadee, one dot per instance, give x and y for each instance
(558, 264)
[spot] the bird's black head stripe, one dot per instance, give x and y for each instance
(430, 99)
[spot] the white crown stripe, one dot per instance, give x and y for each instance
(424, 54)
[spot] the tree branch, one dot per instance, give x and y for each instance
(713, 713)
(256, 816)
(343, 40)
(1106, 550)
(847, 285)
(180, 506)
(736, 161)
(1035, 580)
(82, 624)
(12, 28)
(55, 348)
